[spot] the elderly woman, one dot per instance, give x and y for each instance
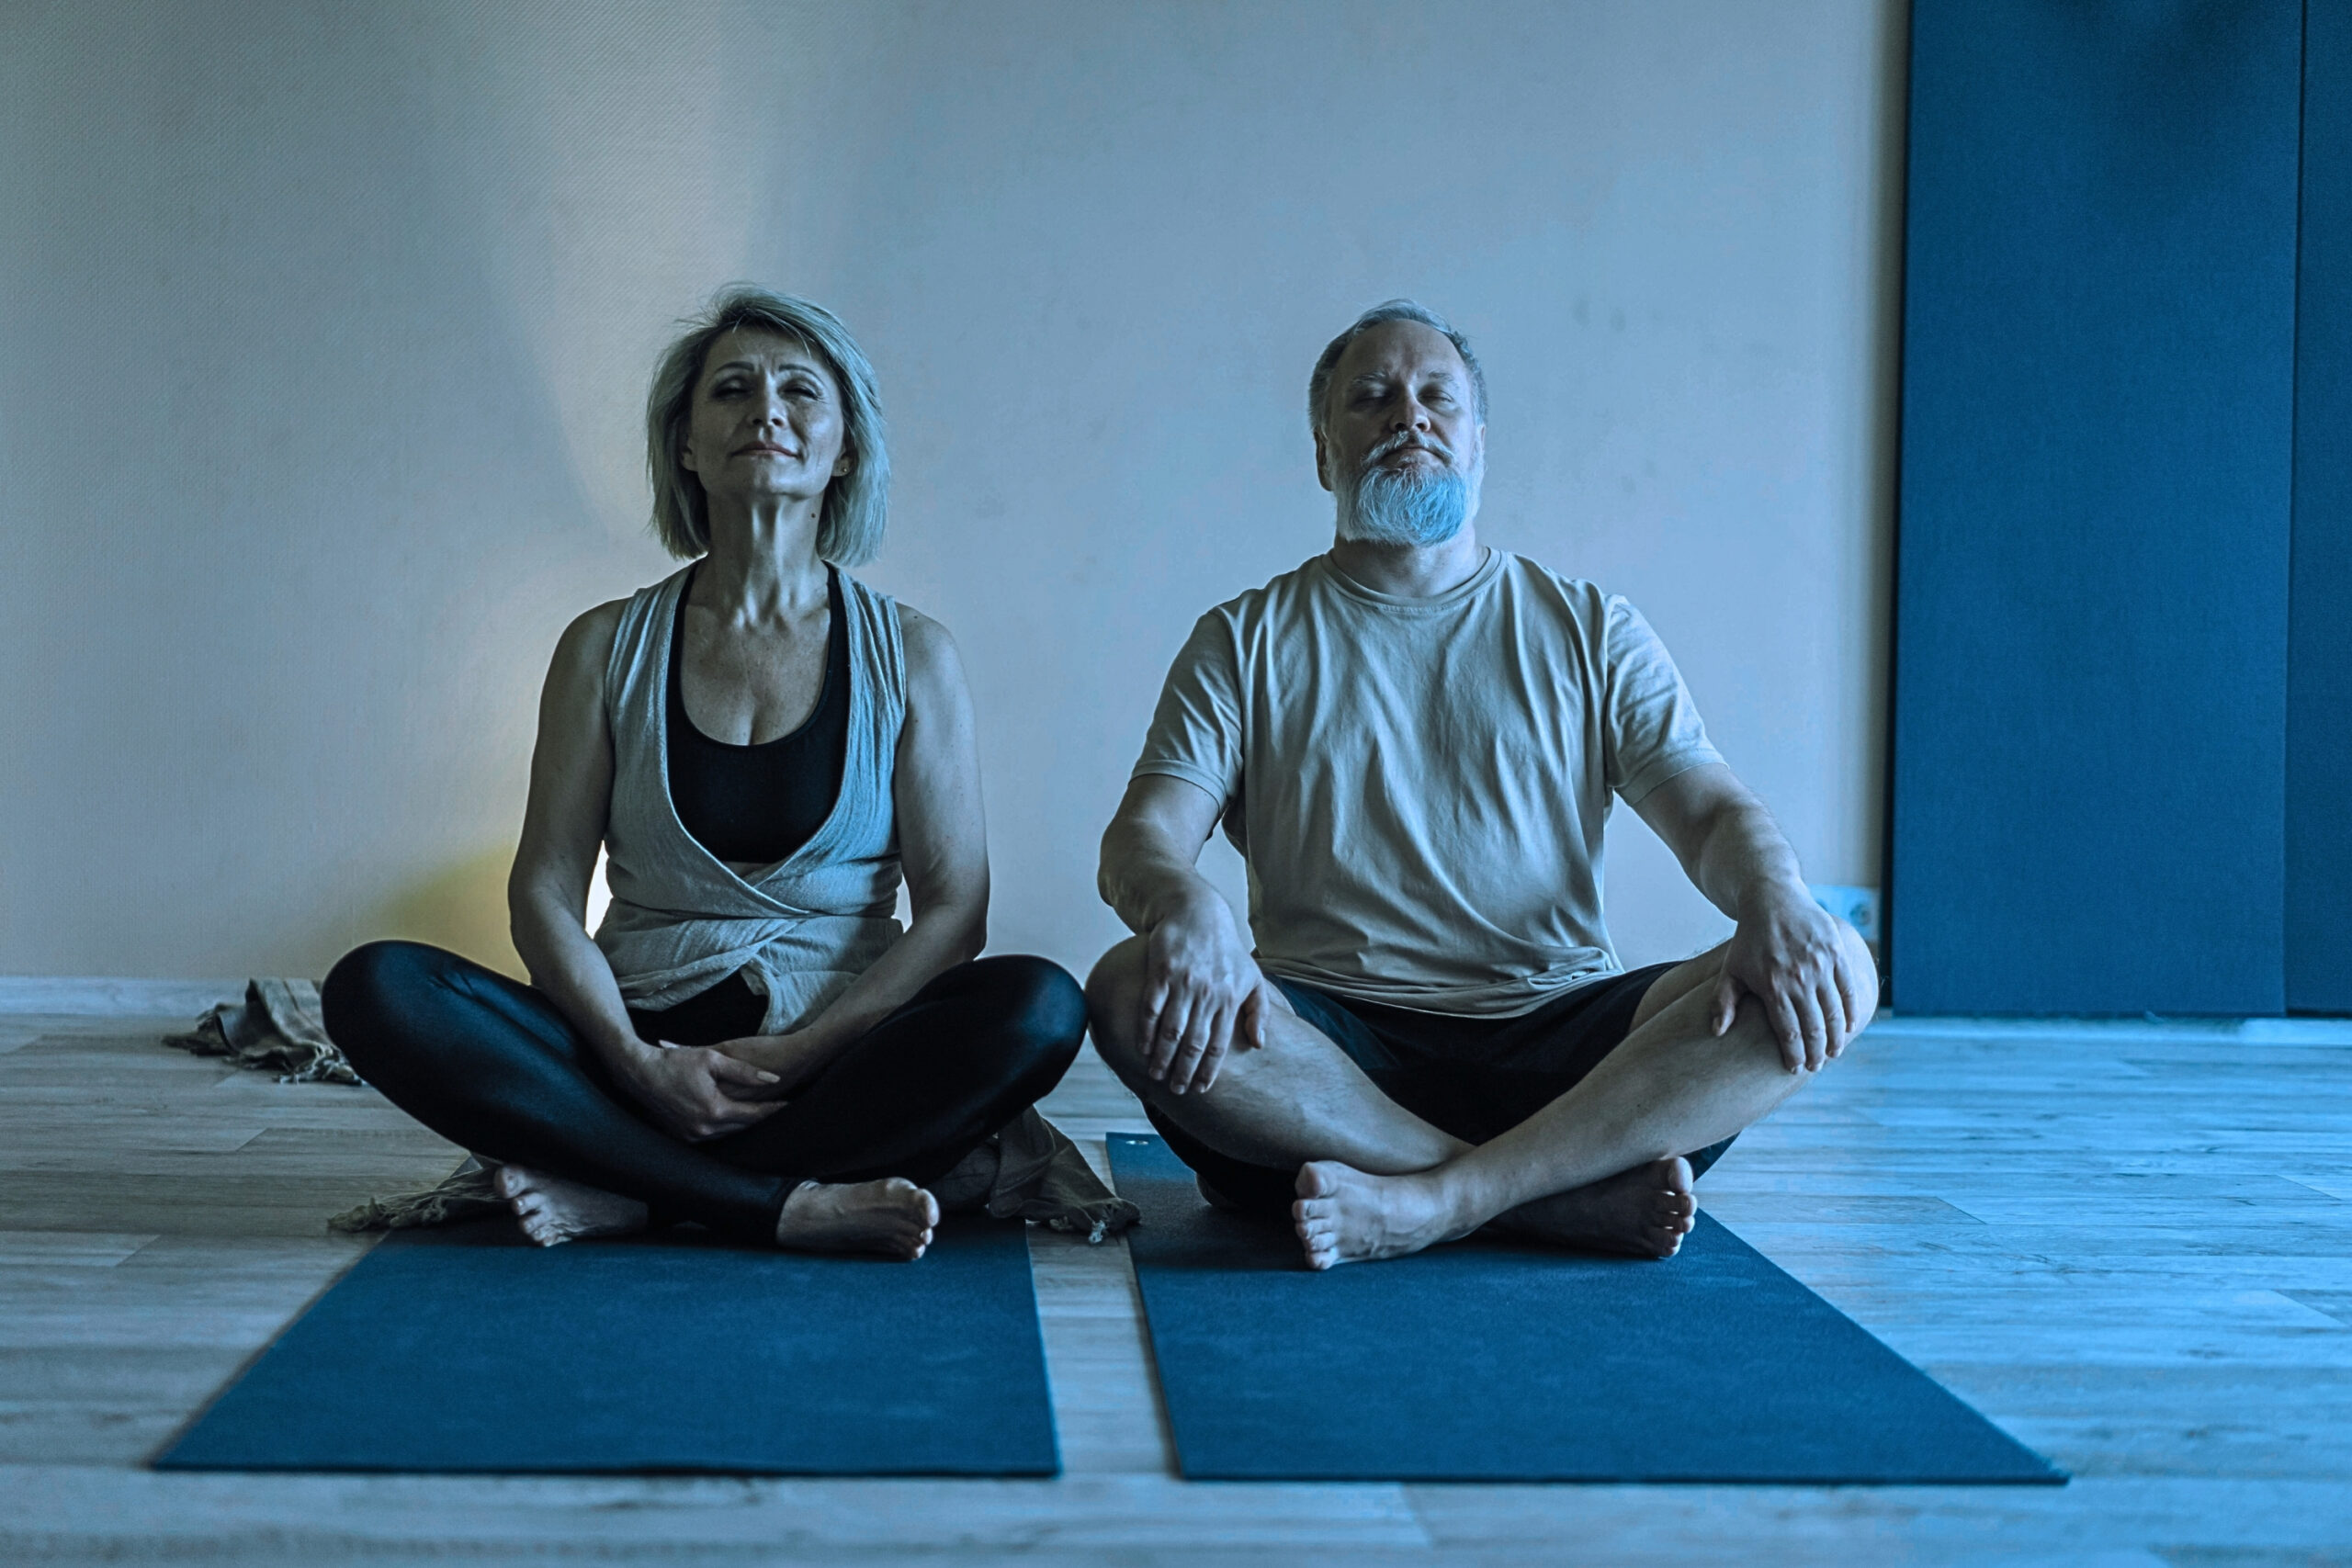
(761, 743)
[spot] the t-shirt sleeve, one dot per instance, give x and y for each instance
(1196, 730)
(1652, 727)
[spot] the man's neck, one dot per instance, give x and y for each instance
(1412, 572)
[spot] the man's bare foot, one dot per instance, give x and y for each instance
(1344, 1215)
(1645, 1212)
(552, 1211)
(892, 1217)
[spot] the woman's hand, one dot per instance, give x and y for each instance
(788, 1060)
(699, 1092)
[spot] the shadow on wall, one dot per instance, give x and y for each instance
(461, 907)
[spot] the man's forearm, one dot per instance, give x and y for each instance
(1746, 862)
(1146, 883)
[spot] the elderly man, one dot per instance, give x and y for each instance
(1414, 739)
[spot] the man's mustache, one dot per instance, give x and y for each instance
(1404, 442)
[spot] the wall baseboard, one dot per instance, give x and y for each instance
(85, 995)
(2222, 1033)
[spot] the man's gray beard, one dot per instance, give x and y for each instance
(1386, 506)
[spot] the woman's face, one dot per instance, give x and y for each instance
(767, 422)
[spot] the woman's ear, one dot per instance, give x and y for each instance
(846, 462)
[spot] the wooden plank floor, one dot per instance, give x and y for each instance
(2132, 1246)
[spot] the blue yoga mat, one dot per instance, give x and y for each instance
(468, 1349)
(1490, 1361)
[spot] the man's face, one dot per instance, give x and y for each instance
(1401, 447)
(1400, 401)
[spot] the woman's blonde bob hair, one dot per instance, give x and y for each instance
(856, 504)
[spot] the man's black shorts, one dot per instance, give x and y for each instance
(1474, 1077)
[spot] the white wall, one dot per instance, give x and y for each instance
(323, 331)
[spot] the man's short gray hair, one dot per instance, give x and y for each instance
(856, 504)
(1319, 385)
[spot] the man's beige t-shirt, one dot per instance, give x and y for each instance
(1420, 785)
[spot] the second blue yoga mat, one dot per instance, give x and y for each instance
(468, 1349)
(1494, 1361)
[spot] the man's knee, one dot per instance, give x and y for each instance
(1113, 993)
(1864, 966)
(1113, 989)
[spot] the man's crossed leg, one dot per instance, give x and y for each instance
(1603, 1166)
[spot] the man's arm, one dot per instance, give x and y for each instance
(1787, 952)
(1202, 993)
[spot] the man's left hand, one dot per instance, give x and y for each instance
(1791, 955)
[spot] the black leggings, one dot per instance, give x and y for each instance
(489, 1064)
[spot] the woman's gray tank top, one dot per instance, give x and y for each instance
(680, 919)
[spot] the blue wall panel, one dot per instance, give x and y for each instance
(2089, 752)
(2319, 678)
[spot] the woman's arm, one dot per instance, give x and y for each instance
(546, 897)
(943, 846)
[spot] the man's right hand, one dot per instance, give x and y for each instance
(1204, 995)
(694, 1092)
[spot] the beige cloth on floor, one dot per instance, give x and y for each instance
(276, 1029)
(1028, 1171)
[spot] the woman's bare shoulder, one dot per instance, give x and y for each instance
(585, 649)
(591, 633)
(932, 658)
(924, 637)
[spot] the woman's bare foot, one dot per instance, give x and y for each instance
(892, 1217)
(1344, 1215)
(552, 1211)
(1645, 1212)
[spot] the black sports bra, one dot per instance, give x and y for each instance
(757, 804)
